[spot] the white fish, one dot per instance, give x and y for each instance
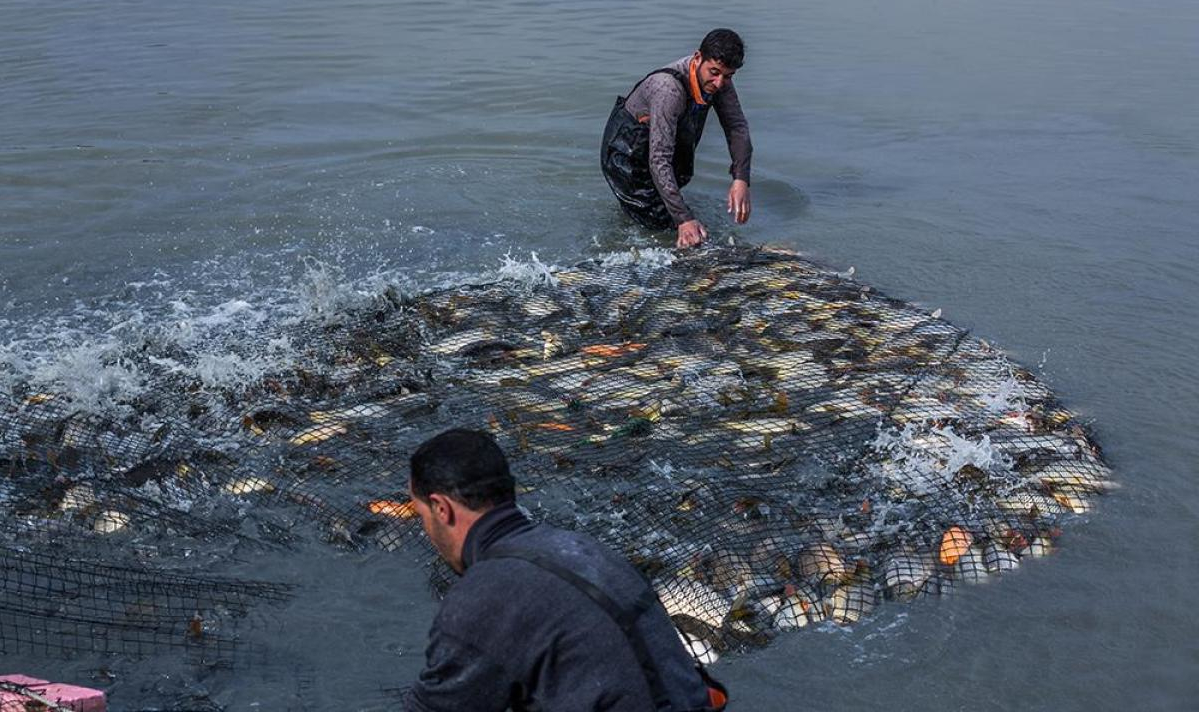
(699, 649)
(110, 521)
(1076, 475)
(318, 434)
(905, 573)
(1023, 503)
(767, 426)
(850, 602)
(996, 558)
(971, 567)
(821, 562)
(797, 609)
(80, 496)
(539, 306)
(362, 410)
(1039, 547)
(492, 377)
(556, 367)
(457, 343)
(912, 410)
(248, 485)
(846, 407)
(686, 597)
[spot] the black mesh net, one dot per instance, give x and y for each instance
(773, 444)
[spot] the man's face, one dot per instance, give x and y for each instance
(712, 75)
(435, 529)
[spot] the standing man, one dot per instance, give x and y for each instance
(542, 618)
(648, 153)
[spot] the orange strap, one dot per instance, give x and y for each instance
(696, 94)
(717, 699)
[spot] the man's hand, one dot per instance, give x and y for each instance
(691, 233)
(739, 201)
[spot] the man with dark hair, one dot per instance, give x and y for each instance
(648, 151)
(542, 618)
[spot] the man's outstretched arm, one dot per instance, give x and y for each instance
(736, 134)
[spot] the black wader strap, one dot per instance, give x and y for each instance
(625, 618)
(666, 70)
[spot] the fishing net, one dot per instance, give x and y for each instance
(772, 443)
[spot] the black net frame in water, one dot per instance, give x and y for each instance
(772, 443)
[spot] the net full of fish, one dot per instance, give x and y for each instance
(773, 444)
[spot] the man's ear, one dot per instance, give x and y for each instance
(442, 508)
(697, 57)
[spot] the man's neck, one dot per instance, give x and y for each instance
(493, 525)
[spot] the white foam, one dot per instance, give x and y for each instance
(649, 259)
(531, 274)
(925, 460)
(96, 376)
(324, 294)
(1008, 396)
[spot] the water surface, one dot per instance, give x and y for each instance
(1030, 168)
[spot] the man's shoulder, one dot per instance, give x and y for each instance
(664, 85)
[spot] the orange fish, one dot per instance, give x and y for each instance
(612, 350)
(389, 508)
(954, 543)
(561, 427)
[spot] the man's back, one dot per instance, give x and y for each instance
(512, 632)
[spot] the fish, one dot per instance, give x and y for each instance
(905, 574)
(682, 596)
(796, 608)
(392, 508)
(850, 602)
(821, 563)
(699, 649)
(954, 543)
(767, 426)
(539, 306)
(778, 445)
(248, 485)
(556, 367)
(971, 566)
(111, 521)
(318, 433)
(611, 350)
(458, 343)
(362, 410)
(1031, 504)
(77, 497)
(1078, 476)
(996, 558)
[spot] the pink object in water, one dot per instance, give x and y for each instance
(72, 697)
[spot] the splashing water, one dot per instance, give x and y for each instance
(650, 259)
(925, 460)
(531, 274)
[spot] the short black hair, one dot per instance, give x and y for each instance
(725, 46)
(466, 465)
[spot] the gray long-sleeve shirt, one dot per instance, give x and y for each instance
(511, 633)
(663, 100)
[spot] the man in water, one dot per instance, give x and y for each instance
(542, 618)
(648, 152)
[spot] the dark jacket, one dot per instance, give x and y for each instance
(512, 634)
